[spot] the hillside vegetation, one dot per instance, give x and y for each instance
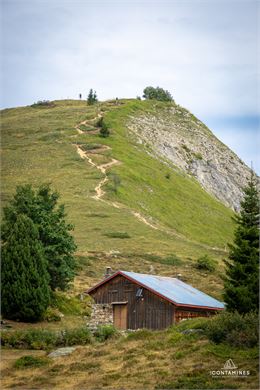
(170, 359)
(137, 213)
(132, 210)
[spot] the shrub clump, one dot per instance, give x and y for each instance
(31, 361)
(78, 336)
(157, 93)
(141, 334)
(105, 332)
(44, 339)
(43, 104)
(52, 315)
(234, 329)
(104, 130)
(206, 263)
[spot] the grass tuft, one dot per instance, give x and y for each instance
(31, 362)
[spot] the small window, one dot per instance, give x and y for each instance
(139, 293)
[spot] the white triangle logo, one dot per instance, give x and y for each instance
(229, 365)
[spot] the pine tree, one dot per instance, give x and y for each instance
(241, 291)
(25, 292)
(92, 97)
(54, 233)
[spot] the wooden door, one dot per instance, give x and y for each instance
(120, 316)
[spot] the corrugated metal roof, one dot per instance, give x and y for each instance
(175, 290)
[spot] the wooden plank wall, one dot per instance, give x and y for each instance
(150, 311)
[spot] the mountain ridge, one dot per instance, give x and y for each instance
(39, 142)
(184, 140)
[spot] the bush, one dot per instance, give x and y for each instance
(43, 104)
(104, 131)
(45, 339)
(90, 146)
(192, 323)
(157, 94)
(142, 334)
(234, 329)
(116, 181)
(31, 339)
(99, 122)
(70, 305)
(205, 263)
(105, 332)
(79, 336)
(52, 315)
(31, 362)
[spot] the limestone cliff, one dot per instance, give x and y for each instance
(175, 134)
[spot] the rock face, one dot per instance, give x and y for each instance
(62, 352)
(175, 134)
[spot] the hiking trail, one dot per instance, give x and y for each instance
(100, 192)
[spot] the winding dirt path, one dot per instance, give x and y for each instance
(102, 168)
(100, 192)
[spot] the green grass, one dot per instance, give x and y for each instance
(178, 202)
(117, 235)
(143, 359)
(31, 362)
(38, 145)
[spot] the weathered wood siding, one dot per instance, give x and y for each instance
(149, 311)
(183, 314)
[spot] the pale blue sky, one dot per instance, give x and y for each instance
(204, 52)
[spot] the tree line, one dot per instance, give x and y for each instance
(149, 93)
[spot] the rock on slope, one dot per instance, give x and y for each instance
(174, 133)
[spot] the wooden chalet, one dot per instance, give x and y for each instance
(133, 301)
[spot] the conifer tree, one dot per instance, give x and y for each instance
(241, 286)
(54, 233)
(25, 292)
(92, 97)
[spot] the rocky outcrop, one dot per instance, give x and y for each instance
(62, 352)
(175, 134)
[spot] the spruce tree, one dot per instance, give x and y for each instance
(241, 283)
(92, 97)
(54, 233)
(25, 292)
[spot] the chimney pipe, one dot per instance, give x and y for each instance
(108, 272)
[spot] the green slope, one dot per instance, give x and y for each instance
(38, 145)
(178, 201)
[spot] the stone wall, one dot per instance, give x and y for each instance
(101, 314)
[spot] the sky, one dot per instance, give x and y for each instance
(205, 52)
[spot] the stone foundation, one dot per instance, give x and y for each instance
(101, 314)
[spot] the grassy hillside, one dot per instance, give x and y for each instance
(141, 360)
(175, 216)
(138, 213)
